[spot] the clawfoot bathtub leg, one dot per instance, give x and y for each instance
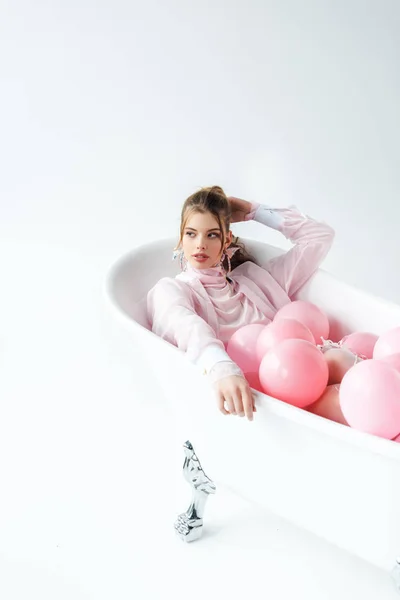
(396, 574)
(189, 525)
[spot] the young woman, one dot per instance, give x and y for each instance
(221, 289)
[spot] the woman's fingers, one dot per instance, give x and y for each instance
(221, 404)
(225, 402)
(248, 401)
(231, 405)
(235, 397)
(239, 209)
(238, 216)
(238, 403)
(243, 401)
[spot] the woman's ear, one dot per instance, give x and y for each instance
(228, 239)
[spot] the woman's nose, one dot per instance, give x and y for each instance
(201, 244)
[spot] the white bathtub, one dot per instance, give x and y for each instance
(337, 482)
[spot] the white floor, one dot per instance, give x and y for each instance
(89, 474)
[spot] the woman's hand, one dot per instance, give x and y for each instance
(240, 208)
(234, 392)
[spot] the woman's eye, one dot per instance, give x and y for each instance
(210, 235)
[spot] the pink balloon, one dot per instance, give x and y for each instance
(388, 343)
(393, 360)
(361, 343)
(254, 381)
(370, 398)
(295, 371)
(242, 347)
(310, 315)
(277, 331)
(339, 361)
(328, 406)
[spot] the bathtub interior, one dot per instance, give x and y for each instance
(348, 309)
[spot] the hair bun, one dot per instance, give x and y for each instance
(216, 189)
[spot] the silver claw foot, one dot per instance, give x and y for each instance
(396, 574)
(189, 525)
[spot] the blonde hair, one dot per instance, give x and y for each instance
(213, 200)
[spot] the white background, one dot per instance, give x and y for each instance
(111, 114)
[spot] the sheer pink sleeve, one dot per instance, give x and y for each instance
(173, 318)
(312, 241)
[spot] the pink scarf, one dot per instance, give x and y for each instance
(210, 278)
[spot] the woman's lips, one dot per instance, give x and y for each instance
(200, 257)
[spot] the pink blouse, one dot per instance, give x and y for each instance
(199, 310)
(232, 307)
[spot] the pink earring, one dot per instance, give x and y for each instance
(228, 253)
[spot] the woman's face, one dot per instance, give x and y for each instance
(201, 242)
